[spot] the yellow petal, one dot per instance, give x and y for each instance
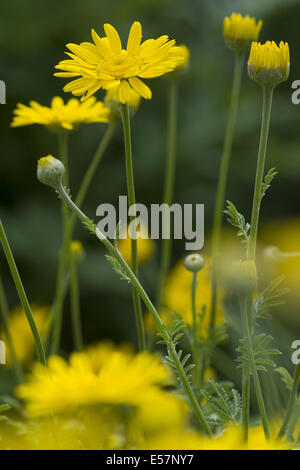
(140, 88)
(113, 38)
(134, 38)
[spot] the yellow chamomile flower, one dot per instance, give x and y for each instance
(240, 30)
(119, 378)
(268, 63)
(21, 334)
(146, 247)
(60, 115)
(105, 64)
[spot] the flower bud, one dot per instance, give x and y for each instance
(240, 31)
(194, 262)
(268, 63)
(50, 171)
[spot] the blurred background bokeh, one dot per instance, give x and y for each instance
(33, 34)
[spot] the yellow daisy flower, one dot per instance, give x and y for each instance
(241, 27)
(21, 334)
(268, 63)
(105, 64)
(60, 115)
(122, 379)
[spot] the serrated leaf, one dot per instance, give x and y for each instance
(285, 377)
(117, 268)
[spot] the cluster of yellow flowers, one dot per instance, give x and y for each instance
(106, 397)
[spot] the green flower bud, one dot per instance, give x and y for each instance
(194, 262)
(50, 171)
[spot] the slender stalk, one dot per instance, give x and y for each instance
(5, 314)
(75, 304)
(246, 382)
(149, 305)
(22, 295)
(265, 124)
(291, 402)
(253, 371)
(61, 278)
(196, 356)
(293, 423)
(64, 254)
(131, 201)
(223, 176)
(168, 185)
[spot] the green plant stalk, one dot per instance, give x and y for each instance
(5, 314)
(196, 355)
(291, 402)
(22, 295)
(293, 423)
(149, 305)
(64, 254)
(61, 282)
(131, 201)
(246, 384)
(253, 372)
(75, 304)
(223, 176)
(168, 185)
(265, 124)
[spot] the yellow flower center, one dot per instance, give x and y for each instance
(120, 66)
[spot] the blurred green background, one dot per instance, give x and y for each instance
(33, 34)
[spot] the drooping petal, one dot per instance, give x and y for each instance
(140, 88)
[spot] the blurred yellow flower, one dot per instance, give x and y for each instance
(177, 297)
(60, 115)
(145, 246)
(21, 334)
(123, 379)
(133, 98)
(77, 250)
(105, 64)
(241, 27)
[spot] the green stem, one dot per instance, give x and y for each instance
(64, 254)
(149, 305)
(61, 283)
(257, 197)
(168, 185)
(223, 176)
(22, 295)
(5, 315)
(293, 423)
(246, 385)
(253, 371)
(131, 202)
(196, 356)
(291, 402)
(75, 305)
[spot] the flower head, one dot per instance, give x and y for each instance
(50, 171)
(105, 64)
(77, 250)
(60, 115)
(240, 30)
(268, 63)
(118, 378)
